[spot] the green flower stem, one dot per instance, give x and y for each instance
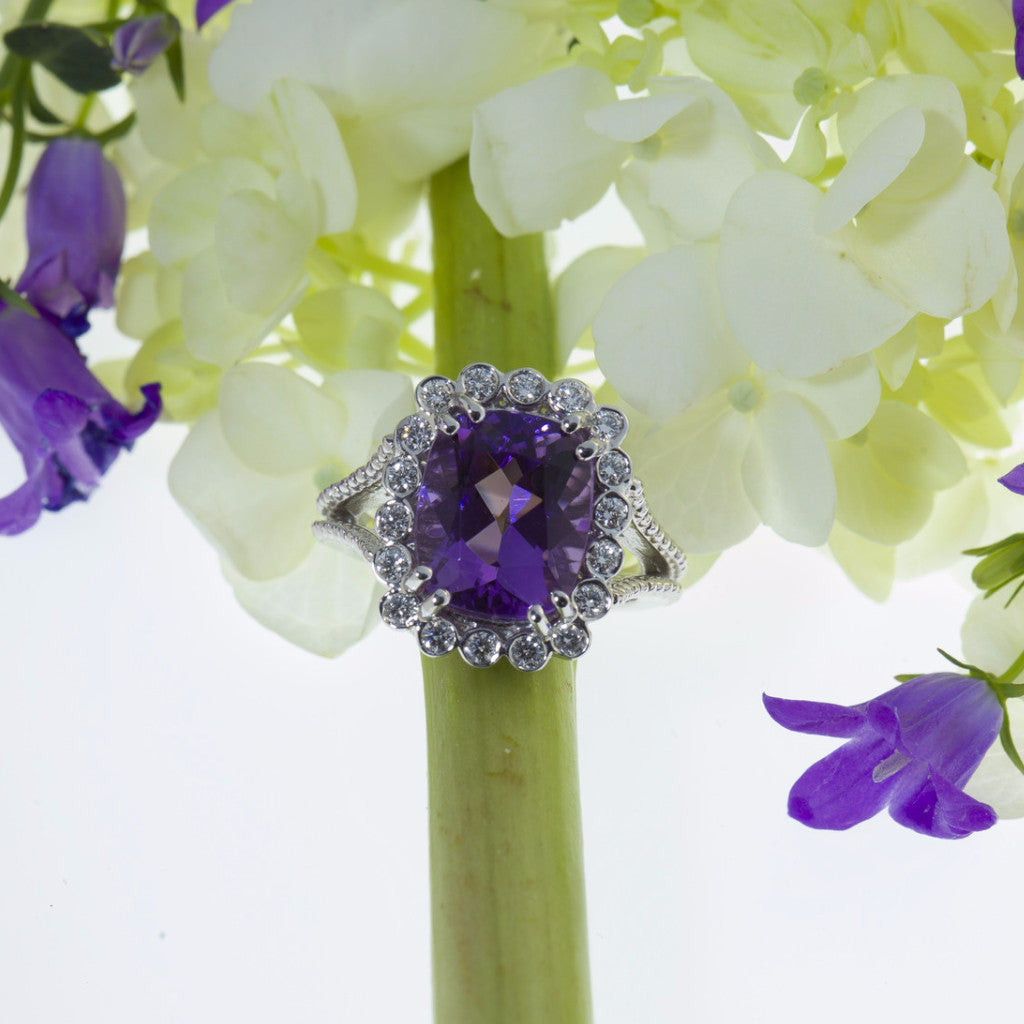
(506, 860)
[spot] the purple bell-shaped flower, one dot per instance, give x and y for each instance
(75, 222)
(912, 749)
(64, 423)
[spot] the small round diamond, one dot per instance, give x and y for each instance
(592, 599)
(570, 639)
(393, 520)
(480, 381)
(392, 563)
(528, 652)
(415, 434)
(614, 468)
(399, 609)
(402, 476)
(608, 425)
(525, 387)
(481, 648)
(435, 394)
(604, 557)
(570, 396)
(611, 513)
(437, 637)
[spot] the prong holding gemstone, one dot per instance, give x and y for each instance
(589, 450)
(448, 424)
(563, 605)
(538, 619)
(420, 575)
(474, 410)
(572, 423)
(432, 605)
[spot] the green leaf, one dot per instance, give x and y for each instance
(78, 58)
(176, 67)
(905, 677)
(972, 670)
(9, 296)
(989, 548)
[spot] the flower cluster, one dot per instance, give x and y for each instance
(822, 331)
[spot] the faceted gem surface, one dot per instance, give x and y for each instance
(504, 514)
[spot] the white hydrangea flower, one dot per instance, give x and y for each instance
(241, 223)
(727, 443)
(400, 77)
(546, 151)
(992, 638)
(248, 474)
(909, 225)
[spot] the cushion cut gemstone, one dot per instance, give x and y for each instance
(504, 514)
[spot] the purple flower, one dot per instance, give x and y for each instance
(1018, 48)
(137, 43)
(75, 221)
(1014, 480)
(206, 9)
(912, 750)
(66, 425)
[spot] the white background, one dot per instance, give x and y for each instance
(199, 823)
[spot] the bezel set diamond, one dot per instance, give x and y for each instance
(386, 490)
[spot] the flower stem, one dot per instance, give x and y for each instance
(506, 861)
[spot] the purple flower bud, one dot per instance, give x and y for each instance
(137, 43)
(912, 749)
(1014, 480)
(64, 423)
(206, 9)
(75, 221)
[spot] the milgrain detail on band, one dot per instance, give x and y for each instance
(374, 510)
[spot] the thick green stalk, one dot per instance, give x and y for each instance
(506, 855)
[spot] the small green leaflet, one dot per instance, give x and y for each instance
(78, 58)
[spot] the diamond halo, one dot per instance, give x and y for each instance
(380, 509)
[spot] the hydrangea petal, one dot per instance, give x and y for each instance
(787, 473)
(781, 281)
(660, 335)
(912, 448)
(533, 159)
(870, 567)
(874, 166)
(376, 400)
(691, 470)
(992, 635)
(939, 156)
(215, 330)
(261, 252)
(842, 400)
(944, 256)
(636, 119)
(997, 780)
(350, 326)
(872, 503)
(277, 422)
(581, 289)
(309, 135)
(184, 213)
(250, 518)
(324, 605)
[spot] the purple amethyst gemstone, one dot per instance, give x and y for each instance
(504, 514)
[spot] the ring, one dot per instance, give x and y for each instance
(500, 516)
